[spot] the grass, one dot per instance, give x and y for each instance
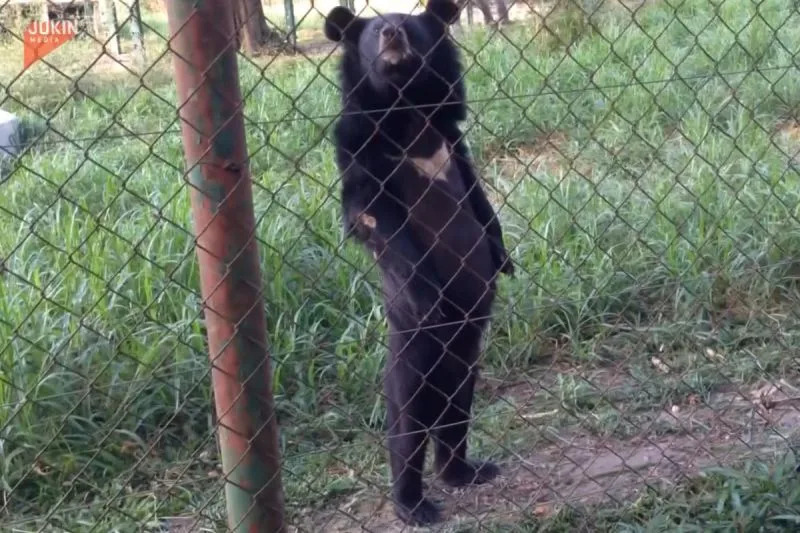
(647, 182)
(755, 498)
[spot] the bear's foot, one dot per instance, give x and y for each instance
(469, 472)
(419, 513)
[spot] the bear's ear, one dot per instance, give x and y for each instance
(342, 24)
(446, 11)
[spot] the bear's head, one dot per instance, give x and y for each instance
(395, 51)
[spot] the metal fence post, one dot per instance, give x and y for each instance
(209, 97)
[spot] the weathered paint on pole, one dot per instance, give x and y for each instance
(209, 99)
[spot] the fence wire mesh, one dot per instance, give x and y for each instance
(640, 370)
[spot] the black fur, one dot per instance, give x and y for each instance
(438, 242)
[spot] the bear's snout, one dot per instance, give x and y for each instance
(391, 32)
(393, 43)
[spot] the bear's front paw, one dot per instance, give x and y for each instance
(506, 265)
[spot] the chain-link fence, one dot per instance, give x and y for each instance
(640, 368)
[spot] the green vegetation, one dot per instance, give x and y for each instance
(647, 179)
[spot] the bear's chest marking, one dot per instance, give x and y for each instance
(435, 166)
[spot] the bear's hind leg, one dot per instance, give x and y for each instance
(451, 461)
(411, 410)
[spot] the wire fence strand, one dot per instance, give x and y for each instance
(634, 364)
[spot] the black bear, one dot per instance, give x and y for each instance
(410, 195)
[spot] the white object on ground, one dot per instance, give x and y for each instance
(9, 134)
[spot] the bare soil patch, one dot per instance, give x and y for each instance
(581, 469)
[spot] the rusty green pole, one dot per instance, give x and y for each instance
(209, 101)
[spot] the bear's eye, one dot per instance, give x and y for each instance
(376, 29)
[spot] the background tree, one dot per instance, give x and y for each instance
(252, 30)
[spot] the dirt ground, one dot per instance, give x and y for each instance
(579, 469)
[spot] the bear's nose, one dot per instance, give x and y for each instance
(391, 32)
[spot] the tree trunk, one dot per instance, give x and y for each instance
(251, 26)
(502, 12)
